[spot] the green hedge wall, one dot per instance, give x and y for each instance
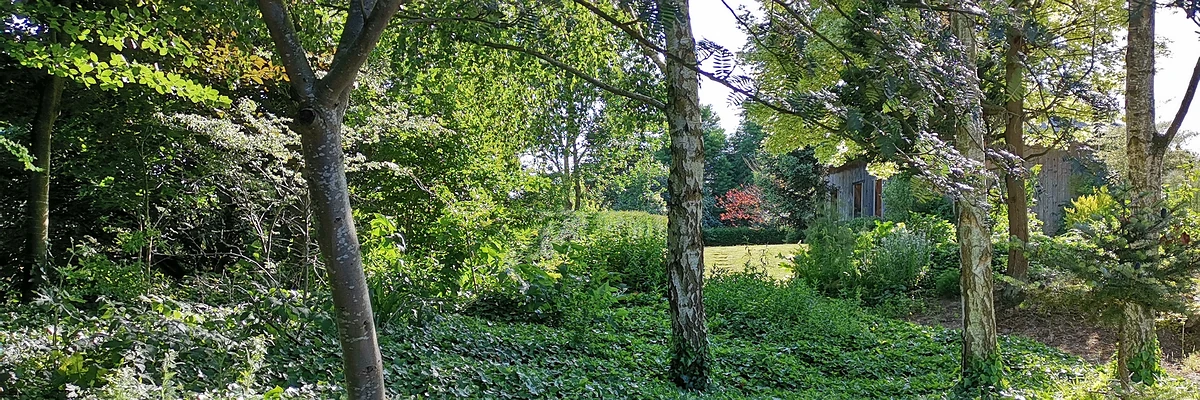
(744, 236)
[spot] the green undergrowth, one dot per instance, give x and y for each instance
(769, 339)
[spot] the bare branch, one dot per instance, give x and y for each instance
(647, 100)
(356, 50)
(756, 36)
(291, 52)
(1184, 105)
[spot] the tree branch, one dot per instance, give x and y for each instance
(652, 55)
(647, 100)
(923, 6)
(641, 40)
(354, 51)
(800, 20)
(1184, 105)
(754, 35)
(291, 52)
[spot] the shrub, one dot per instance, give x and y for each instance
(402, 284)
(632, 246)
(743, 207)
(888, 259)
(737, 236)
(943, 244)
(947, 284)
(828, 261)
(577, 266)
(1090, 207)
(895, 259)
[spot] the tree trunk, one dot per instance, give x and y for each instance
(38, 207)
(980, 358)
(323, 106)
(578, 189)
(567, 178)
(685, 247)
(1137, 349)
(321, 138)
(1137, 346)
(1014, 137)
(576, 177)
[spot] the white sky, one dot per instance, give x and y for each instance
(712, 21)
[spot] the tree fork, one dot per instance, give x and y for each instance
(323, 105)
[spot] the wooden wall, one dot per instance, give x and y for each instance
(843, 180)
(1054, 189)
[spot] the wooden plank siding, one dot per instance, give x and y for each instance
(1056, 186)
(843, 179)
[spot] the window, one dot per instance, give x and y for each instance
(879, 197)
(833, 202)
(858, 199)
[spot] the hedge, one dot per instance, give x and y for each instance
(744, 236)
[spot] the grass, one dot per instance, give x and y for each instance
(737, 258)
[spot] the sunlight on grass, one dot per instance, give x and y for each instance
(736, 258)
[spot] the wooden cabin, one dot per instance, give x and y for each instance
(855, 193)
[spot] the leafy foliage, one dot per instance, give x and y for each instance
(743, 207)
(64, 41)
(794, 185)
(771, 339)
(1126, 253)
(887, 260)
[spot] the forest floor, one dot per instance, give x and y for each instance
(1070, 331)
(738, 258)
(1061, 327)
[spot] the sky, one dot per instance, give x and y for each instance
(712, 20)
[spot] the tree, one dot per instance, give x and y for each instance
(322, 107)
(85, 42)
(1137, 347)
(1049, 74)
(718, 166)
(1014, 137)
(980, 353)
(858, 80)
(685, 242)
(39, 183)
(676, 60)
(579, 135)
(794, 183)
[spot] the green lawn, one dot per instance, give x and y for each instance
(737, 258)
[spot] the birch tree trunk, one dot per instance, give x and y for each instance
(38, 207)
(322, 107)
(1014, 137)
(980, 358)
(685, 247)
(1137, 349)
